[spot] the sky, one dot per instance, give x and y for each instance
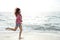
(30, 8)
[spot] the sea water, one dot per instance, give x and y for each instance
(45, 23)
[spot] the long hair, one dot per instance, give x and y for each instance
(17, 12)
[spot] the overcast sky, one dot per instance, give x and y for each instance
(30, 7)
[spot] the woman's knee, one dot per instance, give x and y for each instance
(21, 30)
(15, 30)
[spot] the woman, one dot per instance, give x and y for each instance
(18, 22)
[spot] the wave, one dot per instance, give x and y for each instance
(50, 22)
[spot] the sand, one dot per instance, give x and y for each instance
(32, 35)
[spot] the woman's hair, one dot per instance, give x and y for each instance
(17, 11)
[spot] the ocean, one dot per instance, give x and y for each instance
(45, 23)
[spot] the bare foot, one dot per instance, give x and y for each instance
(20, 38)
(7, 28)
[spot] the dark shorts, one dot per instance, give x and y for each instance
(18, 25)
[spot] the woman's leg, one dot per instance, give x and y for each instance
(20, 31)
(13, 29)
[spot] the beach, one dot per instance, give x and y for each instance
(32, 35)
(49, 25)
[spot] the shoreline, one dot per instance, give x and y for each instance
(32, 35)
